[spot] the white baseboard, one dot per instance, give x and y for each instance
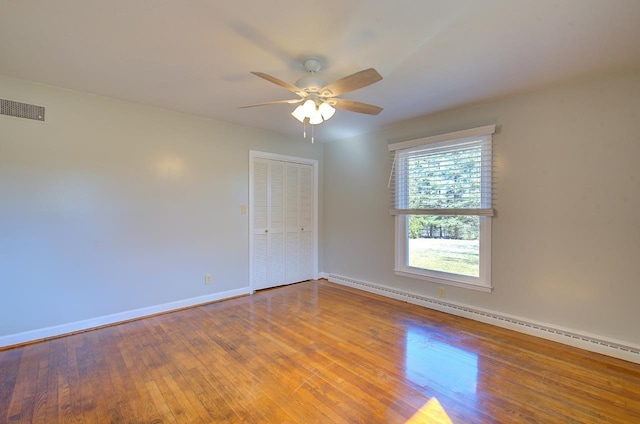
(60, 330)
(590, 342)
(324, 275)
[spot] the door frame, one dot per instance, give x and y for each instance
(256, 154)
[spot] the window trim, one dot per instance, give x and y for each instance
(483, 281)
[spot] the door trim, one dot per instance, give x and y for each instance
(255, 154)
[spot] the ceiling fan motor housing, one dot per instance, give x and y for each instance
(311, 84)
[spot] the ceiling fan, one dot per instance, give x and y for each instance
(318, 100)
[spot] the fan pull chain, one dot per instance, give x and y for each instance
(304, 130)
(312, 141)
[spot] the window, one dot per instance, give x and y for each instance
(441, 196)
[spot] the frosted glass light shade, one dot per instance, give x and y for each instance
(326, 110)
(299, 114)
(309, 108)
(316, 118)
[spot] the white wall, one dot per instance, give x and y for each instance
(566, 238)
(110, 206)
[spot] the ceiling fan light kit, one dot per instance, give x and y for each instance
(319, 99)
(314, 112)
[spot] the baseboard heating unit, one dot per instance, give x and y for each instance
(572, 338)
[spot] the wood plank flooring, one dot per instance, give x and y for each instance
(312, 352)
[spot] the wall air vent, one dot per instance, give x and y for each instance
(21, 110)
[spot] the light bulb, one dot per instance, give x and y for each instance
(298, 113)
(309, 108)
(326, 110)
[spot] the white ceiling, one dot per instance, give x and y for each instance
(195, 56)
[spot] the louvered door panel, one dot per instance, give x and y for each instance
(260, 261)
(307, 213)
(305, 260)
(292, 223)
(260, 254)
(283, 217)
(276, 223)
(293, 197)
(306, 197)
(276, 197)
(276, 259)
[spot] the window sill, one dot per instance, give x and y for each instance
(471, 286)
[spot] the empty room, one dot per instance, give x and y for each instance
(420, 211)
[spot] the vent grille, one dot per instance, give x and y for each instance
(21, 110)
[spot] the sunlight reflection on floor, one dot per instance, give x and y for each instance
(437, 365)
(431, 412)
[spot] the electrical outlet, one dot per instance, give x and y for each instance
(442, 293)
(207, 279)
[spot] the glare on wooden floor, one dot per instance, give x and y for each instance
(431, 412)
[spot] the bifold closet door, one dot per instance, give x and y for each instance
(299, 223)
(283, 223)
(306, 223)
(268, 224)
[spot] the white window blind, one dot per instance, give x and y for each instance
(448, 174)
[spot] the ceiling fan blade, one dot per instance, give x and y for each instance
(277, 102)
(351, 83)
(354, 106)
(277, 81)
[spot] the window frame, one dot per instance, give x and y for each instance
(402, 152)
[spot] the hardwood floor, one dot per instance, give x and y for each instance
(313, 352)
